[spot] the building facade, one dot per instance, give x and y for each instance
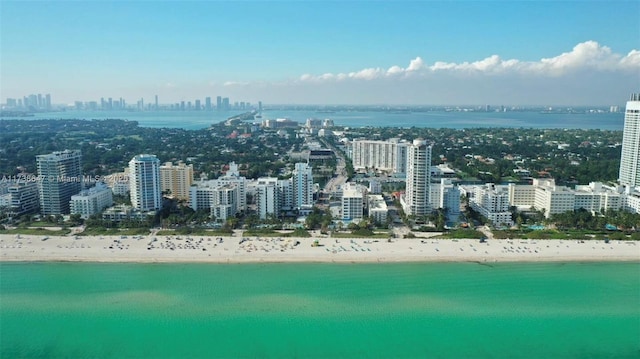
(91, 201)
(416, 199)
(302, 186)
(21, 197)
(177, 179)
(352, 202)
(59, 178)
(630, 157)
(390, 156)
(144, 183)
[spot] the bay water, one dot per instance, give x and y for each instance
(313, 310)
(435, 119)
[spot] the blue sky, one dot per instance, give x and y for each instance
(361, 52)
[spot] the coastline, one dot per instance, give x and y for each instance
(196, 249)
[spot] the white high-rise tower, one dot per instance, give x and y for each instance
(416, 198)
(144, 183)
(302, 186)
(630, 158)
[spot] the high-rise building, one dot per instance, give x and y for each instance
(144, 182)
(60, 177)
(225, 104)
(352, 202)
(21, 197)
(416, 198)
(267, 198)
(207, 103)
(219, 103)
(302, 186)
(388, 156)
(630, 158)
(177, 179)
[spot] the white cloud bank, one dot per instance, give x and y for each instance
(588, 55)
(589, 74)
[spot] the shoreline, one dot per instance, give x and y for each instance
(232, 250)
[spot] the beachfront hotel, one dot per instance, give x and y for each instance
(91, 201)
(176, 179)
(144, 183)
(630, 157)
(416, 198)
(59, 178)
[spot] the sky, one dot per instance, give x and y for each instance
(323, 52)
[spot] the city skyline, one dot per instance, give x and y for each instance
(406, 53)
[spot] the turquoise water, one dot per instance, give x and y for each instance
(406, 310)
(437, 119)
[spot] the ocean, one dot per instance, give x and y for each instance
(437, 119)
(391, 310)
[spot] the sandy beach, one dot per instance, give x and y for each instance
(238, 249)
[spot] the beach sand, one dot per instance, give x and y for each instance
(238, 249)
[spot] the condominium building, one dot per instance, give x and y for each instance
(118, 182)
(378, 211)
(353, 196)
(446, 195)
(416, 198)
(176, 179)
(390, 156)
(200, 197)
(59, 178)
(144, 182)
(224, 202)
(267, 197)
(492, 202)
(302, 185)
(630, 157)
(20, 197)
(91, 201)
(544, 195)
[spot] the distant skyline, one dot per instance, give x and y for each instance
(321, 52)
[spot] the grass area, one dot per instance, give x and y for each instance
(563, 234)
(100, 231)
(462, 234)
(272, 233)
(37, 231)
(195, 232)
(383, 235)
(119, 137)
(39, 224)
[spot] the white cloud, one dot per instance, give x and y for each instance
(235, 83)
(415, 64)
(588, 55)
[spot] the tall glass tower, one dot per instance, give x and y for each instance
(630, 158)
(59, 178)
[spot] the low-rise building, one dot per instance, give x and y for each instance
(377, 207)
(91, 201)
